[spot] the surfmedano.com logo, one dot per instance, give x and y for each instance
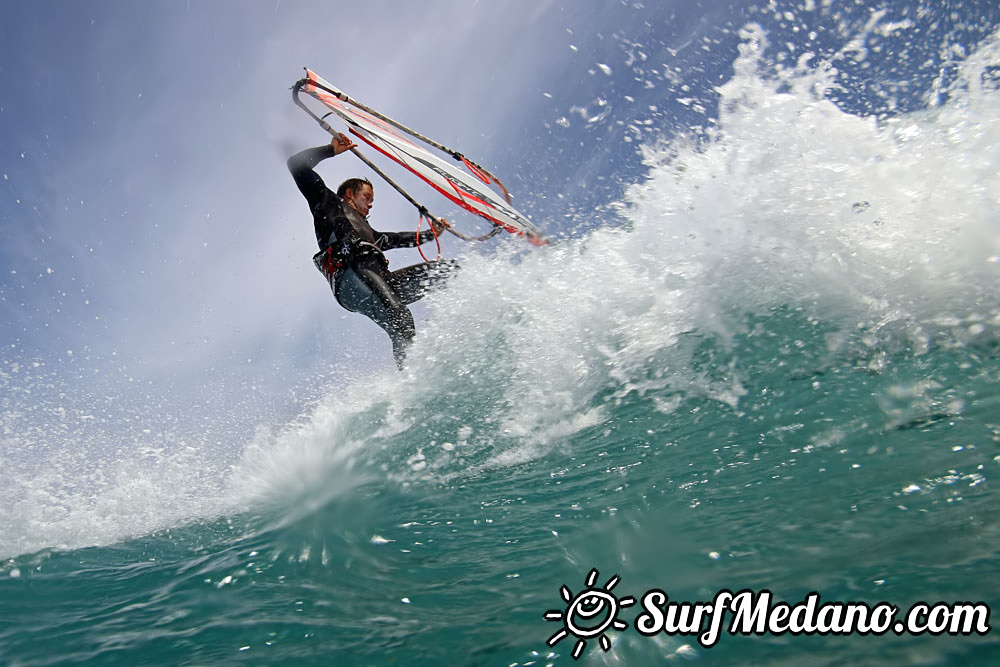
(590, 613)
(593, 611)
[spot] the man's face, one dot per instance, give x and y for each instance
(361, 199)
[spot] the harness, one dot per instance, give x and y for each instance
(333, 259)
(328, 264)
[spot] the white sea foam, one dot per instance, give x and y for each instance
(883, 228)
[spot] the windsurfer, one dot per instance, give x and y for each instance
(351, 251)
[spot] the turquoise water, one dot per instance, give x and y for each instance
(775, 369)
(826, 477)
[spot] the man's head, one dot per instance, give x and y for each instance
(358, 193)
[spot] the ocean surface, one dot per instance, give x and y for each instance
(771, 365)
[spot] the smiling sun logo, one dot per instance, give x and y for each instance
(589, 614)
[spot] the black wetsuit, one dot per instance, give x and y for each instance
(351, 256)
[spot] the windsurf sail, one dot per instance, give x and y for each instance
(468, 189)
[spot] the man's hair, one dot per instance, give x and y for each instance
(352, 184)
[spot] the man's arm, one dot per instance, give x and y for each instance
(302, 166)
(409, 239)
(393, 240)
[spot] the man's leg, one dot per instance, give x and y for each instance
(366, 291)
(413, 282)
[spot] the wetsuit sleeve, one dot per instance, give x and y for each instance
(310, 183)
(403, 239)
